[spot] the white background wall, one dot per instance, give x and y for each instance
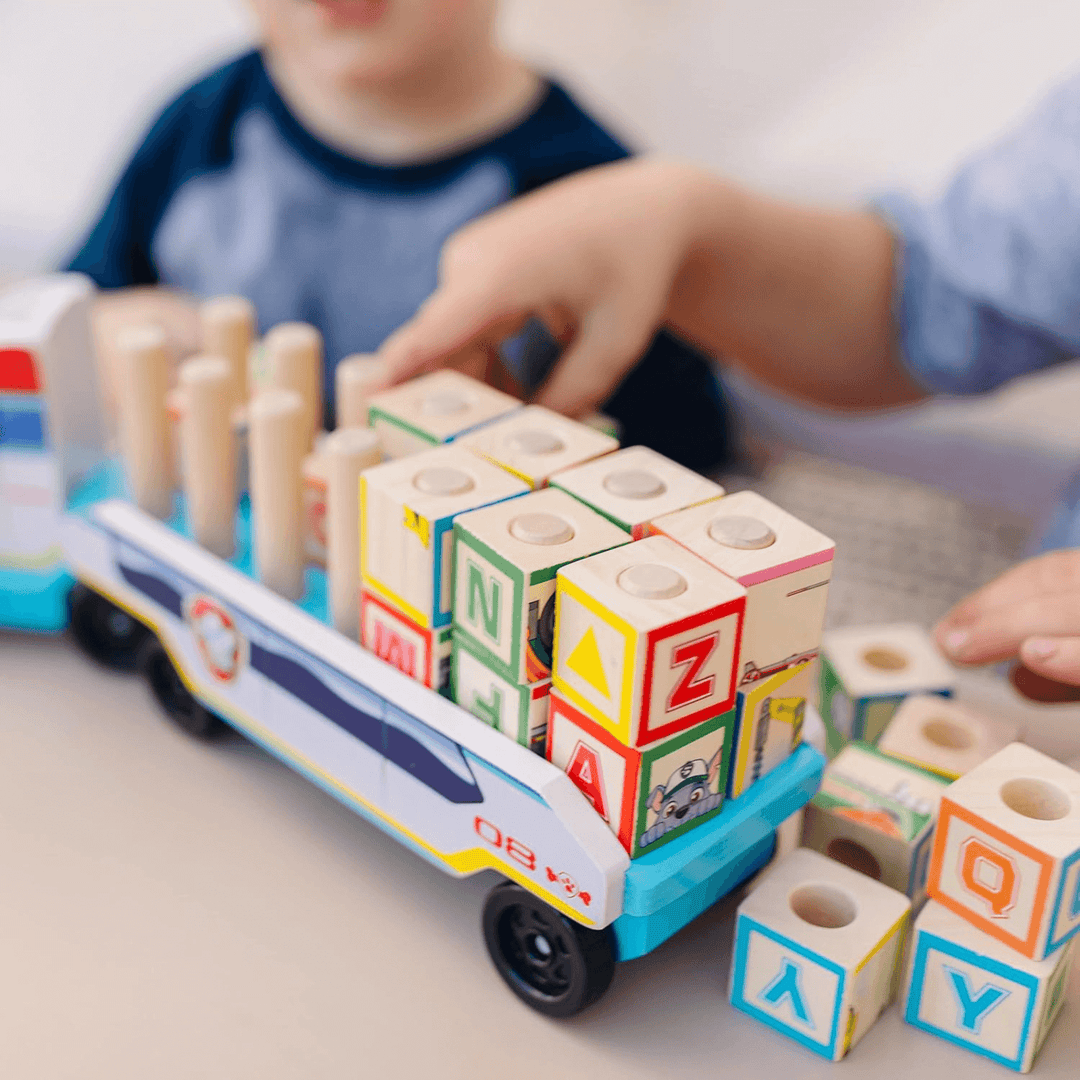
(824, 98)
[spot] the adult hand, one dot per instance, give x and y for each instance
(1030, 613)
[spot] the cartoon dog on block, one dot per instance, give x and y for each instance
(688, 794)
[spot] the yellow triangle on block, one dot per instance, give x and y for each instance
(584, 660)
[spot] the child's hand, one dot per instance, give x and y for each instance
(594, 257)
(1031, 612)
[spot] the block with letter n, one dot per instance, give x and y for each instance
(506, 557)
(1007, 850)
(972, 990)
(817, 949)
(519, 711)
(647, 797)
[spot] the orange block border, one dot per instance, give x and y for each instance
(1025, 946)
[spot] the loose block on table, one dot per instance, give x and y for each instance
(784, 565)
(407, 511)
(505, 561)
(647, 639)
(944, 736)
(1007, 851)
(433, 409)
(634, 486)
(817, 949)
(877, 815)
(967, 987)
(647, 797)
(867, 671)
(535, 443)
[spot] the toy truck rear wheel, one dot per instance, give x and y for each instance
(555, 966)
(103, 631)
(179, 704)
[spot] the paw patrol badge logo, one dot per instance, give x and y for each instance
(220, 644)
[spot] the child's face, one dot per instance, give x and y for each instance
(367, 41)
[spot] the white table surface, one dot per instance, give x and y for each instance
(176, 910)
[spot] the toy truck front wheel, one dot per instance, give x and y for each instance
(179, 704)
(103, 631)
(554, 965)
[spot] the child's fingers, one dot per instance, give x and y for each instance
(1056, 658)
(611, 338)
(996, 633)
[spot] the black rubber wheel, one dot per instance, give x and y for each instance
(553, 964)
(103, 631)
(189, 714)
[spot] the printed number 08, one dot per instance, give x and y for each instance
(514, 848)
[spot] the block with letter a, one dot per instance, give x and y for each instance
(647, 797)
(1007, 851)
(817, 948)
(647, 639)
(972, 990)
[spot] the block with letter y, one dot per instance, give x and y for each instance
(970, 989)
(817, 947)
(1007, 851)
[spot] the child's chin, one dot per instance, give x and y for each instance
(351, 14)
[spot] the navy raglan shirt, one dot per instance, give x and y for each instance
(229, 193)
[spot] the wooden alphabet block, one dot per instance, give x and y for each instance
(647, 639)
(534, 443)
(784, 565)
(433, 409)
(867, 671)
(968, 988)
(944, 736)
(647, 797)
(505, 560)
(421, 653)
(518, 711)
(769, 723)
(407, 511)
(877, 815)
(1007, 850)
(817, 951)
(633, 487)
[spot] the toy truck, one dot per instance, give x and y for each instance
(218, 647)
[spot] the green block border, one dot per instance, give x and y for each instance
(706, 727)
(625, 526)
(462, 643)
(375, 413)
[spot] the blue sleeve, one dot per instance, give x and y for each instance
(989, 275)
(191, 135)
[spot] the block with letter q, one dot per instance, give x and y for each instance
(1007, 851)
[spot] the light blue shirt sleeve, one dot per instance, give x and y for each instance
(989, 274)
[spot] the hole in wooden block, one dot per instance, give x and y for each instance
(947, 733)
(854, 855)
(823, 905)
(541, 529)
(1037, 799)
(634, 484)
(443, 480)
(650, 581)
(533, 441)
(740, 531)
(444, 404)
(885, 658)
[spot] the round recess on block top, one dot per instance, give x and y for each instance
(651, 581)
(1034, 798)
(741, 531)
(535, 442)
(885, 658)
(634, 484)
(947, 733)
(443, 480)
(444, 403)
(823, 905)
(541, 529)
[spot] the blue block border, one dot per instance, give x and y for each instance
(1053, 945)
(926, 942)
(744, 928)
